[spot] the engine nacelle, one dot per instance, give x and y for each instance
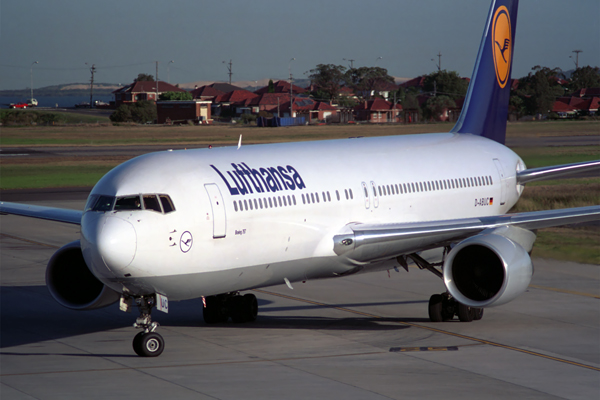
(489, 269)
(71, 283)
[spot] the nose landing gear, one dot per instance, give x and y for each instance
(147, 343)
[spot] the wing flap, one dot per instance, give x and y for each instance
(373, 242)
(49, 213)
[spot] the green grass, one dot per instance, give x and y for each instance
(23, 118)
(42, 176)
(535, 157)
(579, 245)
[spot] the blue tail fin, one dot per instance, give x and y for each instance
(486, 106)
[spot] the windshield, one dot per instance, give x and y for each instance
(160, 203)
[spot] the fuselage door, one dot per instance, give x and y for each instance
(375, 197)
(366, 194)
(503, 181)
(218, 210)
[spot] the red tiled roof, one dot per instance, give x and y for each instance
(148, 87)
(206, 91)
(414, 82)
(559, 106)
(235, 96)
(378, 105)
(281, 87)
(270, 99)
(587, 92)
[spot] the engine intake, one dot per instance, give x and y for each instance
(488, 269)
(71, 283)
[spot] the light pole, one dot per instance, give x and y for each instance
(92, 71)
(439, 63)
(351, 62)
(229, 69)
(291, 93)
(576, 61)
(31, 78)
(169, 76)
(377, 59)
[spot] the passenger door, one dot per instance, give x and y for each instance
(218, 210)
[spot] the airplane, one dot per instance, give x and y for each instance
(212, 223)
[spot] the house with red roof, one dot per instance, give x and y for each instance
(143, 90)
(237, 101)
(206, 92)
(311, 110)
(577, 104)
(378, 111)
(269, 102)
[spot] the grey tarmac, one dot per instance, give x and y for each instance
(359, 337)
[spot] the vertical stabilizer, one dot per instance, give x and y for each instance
(486, 106)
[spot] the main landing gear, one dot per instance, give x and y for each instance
(147, 343)
(218, 309)
(442, 307)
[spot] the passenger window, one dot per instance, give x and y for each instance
(317, 196)
(270, 203)
(328, 197)
(246, 205)
(324, 198)
(260, 203)
(303, 199)
(280, 203)
(351, 194)
(128, 203)
(337, 194)
(284, 201)
(312, 197)
(235, 205)
(166, 202)
(491, 181)
(294, 199)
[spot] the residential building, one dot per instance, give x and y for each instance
(143, 90)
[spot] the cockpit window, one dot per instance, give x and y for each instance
(128, 203)
(151, 202)
(101, 203)
(166, 202)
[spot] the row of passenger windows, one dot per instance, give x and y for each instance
(289, 200)
(429, 186)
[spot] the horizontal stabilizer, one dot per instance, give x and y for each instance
(41, 212)
(557, 171)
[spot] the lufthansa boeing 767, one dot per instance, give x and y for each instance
(211, 223)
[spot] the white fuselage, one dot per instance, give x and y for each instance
(226, 234)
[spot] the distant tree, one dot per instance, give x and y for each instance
(328, 79)
(447, 83)
(176, 96)
(516, 106)
(271, 88)
(539, 89)
(435, 106)
(139, 112)
(144, 78)
(367, 80)
(585, 77)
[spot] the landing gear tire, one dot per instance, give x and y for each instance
(478, 314)
(244, 308)
(435, 308)
(465, 313)
(214, 312)
(149, 344)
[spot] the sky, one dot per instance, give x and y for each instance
(123, 38)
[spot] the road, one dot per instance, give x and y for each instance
(359, 337)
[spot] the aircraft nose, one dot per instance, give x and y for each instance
(117, 243)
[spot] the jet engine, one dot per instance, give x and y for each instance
(490, 269)
(72, 284)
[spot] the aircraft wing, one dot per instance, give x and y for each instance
(50, 213)
(557, 171)
(373, 242)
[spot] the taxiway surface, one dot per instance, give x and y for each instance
(359, 337)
